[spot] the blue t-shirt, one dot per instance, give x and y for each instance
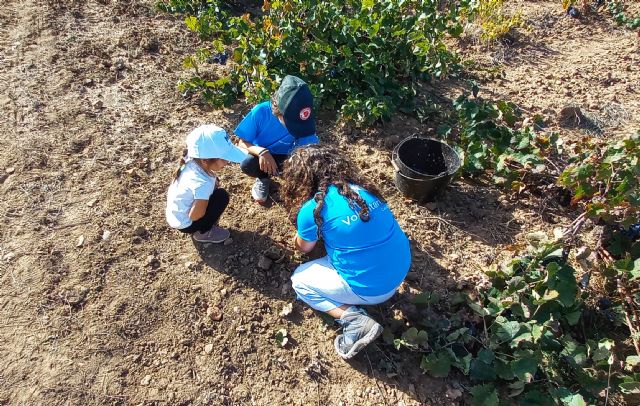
(373, 256)
(261, 127)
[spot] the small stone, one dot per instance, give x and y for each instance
(273, 253)
(265, 263)
(92, 202)
(286, 310)
(98, 105)
(236, 309)
(571, 116)
(88, 82)
(140, 231)
(228, 241)
(208, 348)
(146, 380)
(286, 287)
(214, 314)
(153, 262)
(223, 292)
(120, 64)
(582, 253)
(431, 206)
(9, 256)
(80, 241)
(453, 393)
(77, 297)
(190, 266)
(10, 170)
(503, 200)
(106, 235)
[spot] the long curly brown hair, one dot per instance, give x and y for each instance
(310, 171)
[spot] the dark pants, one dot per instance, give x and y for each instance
(217, 203)
(251, 165)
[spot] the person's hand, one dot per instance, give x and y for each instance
(268, 164)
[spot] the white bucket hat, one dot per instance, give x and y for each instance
(210, 141)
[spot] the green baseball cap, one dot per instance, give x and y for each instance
(295, 102)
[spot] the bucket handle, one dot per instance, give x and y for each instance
(395, 165)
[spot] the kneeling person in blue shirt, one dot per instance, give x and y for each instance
(368, 255)
(272, 129)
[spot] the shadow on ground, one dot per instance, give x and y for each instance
(245, 259)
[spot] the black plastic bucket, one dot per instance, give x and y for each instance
(424, 167)
(425, 158)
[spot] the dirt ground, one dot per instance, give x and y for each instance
(102, 303)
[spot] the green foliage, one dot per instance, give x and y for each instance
(617, 11)
(363, 58)
(484, 395)
(604, 178)
(193, 7)
(530, 333)
(483, 131)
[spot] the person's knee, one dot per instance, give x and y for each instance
(297, 282)
(222, 196)
(250, 165)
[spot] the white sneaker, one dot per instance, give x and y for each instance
(260, 190)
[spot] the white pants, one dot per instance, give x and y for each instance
(319, 285)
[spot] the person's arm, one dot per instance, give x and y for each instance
(198, 209)
(303, 245)
(267, 163)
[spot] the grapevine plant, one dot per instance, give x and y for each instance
(363, 58)
(533, 332)
(484, 134)
(617, 11)
(605, 179)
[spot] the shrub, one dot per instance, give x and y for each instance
(604, 178)
(535, 333)
(483, 131)
(363, 58)
(494, 21)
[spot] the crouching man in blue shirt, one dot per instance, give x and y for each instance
(368, 255)
(272, 129)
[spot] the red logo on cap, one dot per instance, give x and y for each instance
(305, 113)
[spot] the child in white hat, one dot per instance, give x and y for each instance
(194, 200)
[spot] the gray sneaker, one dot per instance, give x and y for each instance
(215, 235)
(260, 190)
(358, 330)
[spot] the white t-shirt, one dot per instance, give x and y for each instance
(193, 183)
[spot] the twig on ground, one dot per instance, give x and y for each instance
(570, 232)
(606, 400)
(627, 308)
(384, 395)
